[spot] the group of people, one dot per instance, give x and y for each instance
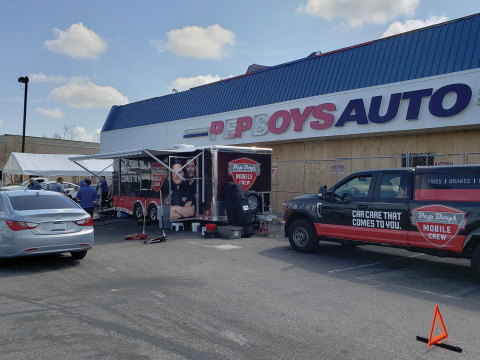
(86, 194)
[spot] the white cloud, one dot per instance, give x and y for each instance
(82, 93)
(356, 12)
(186, 83)
(397, 27)
(1, 122)
(40, 77)
(80, 134)
(198, 42)
(56, 113)
(77, 42)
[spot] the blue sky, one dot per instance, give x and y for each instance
(83, 57)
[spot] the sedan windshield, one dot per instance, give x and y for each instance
(41, 202)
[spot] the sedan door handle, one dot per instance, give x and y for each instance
(362, 207)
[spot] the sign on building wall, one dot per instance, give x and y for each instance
(437, 102)
(338, 169)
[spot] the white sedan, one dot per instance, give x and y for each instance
(69, 187)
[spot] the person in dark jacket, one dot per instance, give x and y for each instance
(87, 197)
(105, 190)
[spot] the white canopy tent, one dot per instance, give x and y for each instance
(55, 165)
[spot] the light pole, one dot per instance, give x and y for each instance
(24, 80)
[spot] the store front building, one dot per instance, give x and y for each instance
(411, 99)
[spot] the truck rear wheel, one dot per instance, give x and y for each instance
(475, 260)
(302, 236)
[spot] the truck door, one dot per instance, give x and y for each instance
(346, 215)
(390, 204)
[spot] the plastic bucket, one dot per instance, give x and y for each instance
(196, 226)
(203, 230)
(121, 215)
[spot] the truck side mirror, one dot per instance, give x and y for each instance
(322, 192)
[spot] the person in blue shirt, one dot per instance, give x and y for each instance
(87, 196)
(105, 190)
(82, 182)
(58, 186)
(34, 185)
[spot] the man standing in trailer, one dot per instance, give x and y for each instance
(105, 190)
(180, 206)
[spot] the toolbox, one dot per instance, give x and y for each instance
(230, 232)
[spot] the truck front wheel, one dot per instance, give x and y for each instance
(475, 260)
(302, 236)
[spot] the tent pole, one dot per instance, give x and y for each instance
(91, 172)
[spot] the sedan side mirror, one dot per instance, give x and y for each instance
(322, 192)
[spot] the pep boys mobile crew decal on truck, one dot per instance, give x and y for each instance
(438, 224)
(354, 111)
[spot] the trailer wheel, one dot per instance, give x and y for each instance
(138, 211)
(475, 260)
(254, 201)
(302, 236)
(152, 213)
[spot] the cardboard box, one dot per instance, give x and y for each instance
(230, 232)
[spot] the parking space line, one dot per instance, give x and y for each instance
(373, 264)
(408, 288)
(465, 291)
(218, 247)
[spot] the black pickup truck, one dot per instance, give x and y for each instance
(434, 210)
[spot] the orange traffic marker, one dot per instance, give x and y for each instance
(444, 335)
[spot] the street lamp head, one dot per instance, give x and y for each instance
(23, 80)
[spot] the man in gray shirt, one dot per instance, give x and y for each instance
(58, 186)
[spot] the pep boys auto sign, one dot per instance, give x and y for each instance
(446, 101)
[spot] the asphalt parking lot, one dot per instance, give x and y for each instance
(249, 298)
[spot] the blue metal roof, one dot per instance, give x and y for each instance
(436, 50)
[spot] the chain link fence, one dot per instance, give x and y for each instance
(299, 177)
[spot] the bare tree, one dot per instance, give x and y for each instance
(68, 132)
(15, 145)
(65, 132)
